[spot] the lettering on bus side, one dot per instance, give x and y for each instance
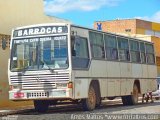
(40, 31)
(39, 39)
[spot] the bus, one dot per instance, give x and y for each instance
(56, 62)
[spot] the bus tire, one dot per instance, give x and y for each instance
(134, 96)
(98, 96)
(131, 99)
(126, 100)
(41, 106)
(157, 98)
(98, 100)
(53, 102)
(89, 103)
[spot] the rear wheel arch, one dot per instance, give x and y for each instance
(137, 83)
(133, 98)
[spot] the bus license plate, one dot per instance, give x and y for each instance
(59, 93)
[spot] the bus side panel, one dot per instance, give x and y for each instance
(81, 88)
(125, 70)
(149, 83)
(98, 71)
(126, 86)
(98, 68)
(113, 80)
(80, 79)
(125, 75)
(143, 85)
(136, 71)
(103, 87)
(144, 82)
(154, 85)
(152, 72)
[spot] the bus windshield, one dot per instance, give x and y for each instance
(39, 53)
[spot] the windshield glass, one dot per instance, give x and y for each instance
(39, 53)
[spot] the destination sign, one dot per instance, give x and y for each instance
(42, 39)
(43, 30)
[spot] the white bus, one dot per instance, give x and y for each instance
(57, 62)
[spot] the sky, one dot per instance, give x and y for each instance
(86, 12)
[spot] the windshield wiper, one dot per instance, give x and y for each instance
(48, 66)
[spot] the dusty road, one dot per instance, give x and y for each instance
(108, 110)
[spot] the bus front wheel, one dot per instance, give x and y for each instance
(41, 106)
(89, 103)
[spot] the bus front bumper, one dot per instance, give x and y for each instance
(40, 94)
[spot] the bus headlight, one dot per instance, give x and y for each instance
(11, 87)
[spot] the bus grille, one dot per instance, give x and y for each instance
(38, 94)
(40, 81)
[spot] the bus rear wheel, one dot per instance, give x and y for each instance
(134, 96)
(89, 103)
(131, 99)
(125, 100)
(41, 106)
(157, 98)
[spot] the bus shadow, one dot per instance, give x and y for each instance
(106, 107)
(109, 108)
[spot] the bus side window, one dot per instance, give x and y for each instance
(150, 54)
(97, 45)
(124, 54)
(143, 54)
(134, 49)
(111, 47)
(80, 54)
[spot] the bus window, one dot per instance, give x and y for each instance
(150, 54)
(54, 53)
(111, 47)
(20, 56)
(134, 50)
(80, 55)
(97, 45)
(124, 54)
(143, 54)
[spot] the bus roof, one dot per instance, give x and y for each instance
(35, 25)
(116, 34)
(91, 29)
